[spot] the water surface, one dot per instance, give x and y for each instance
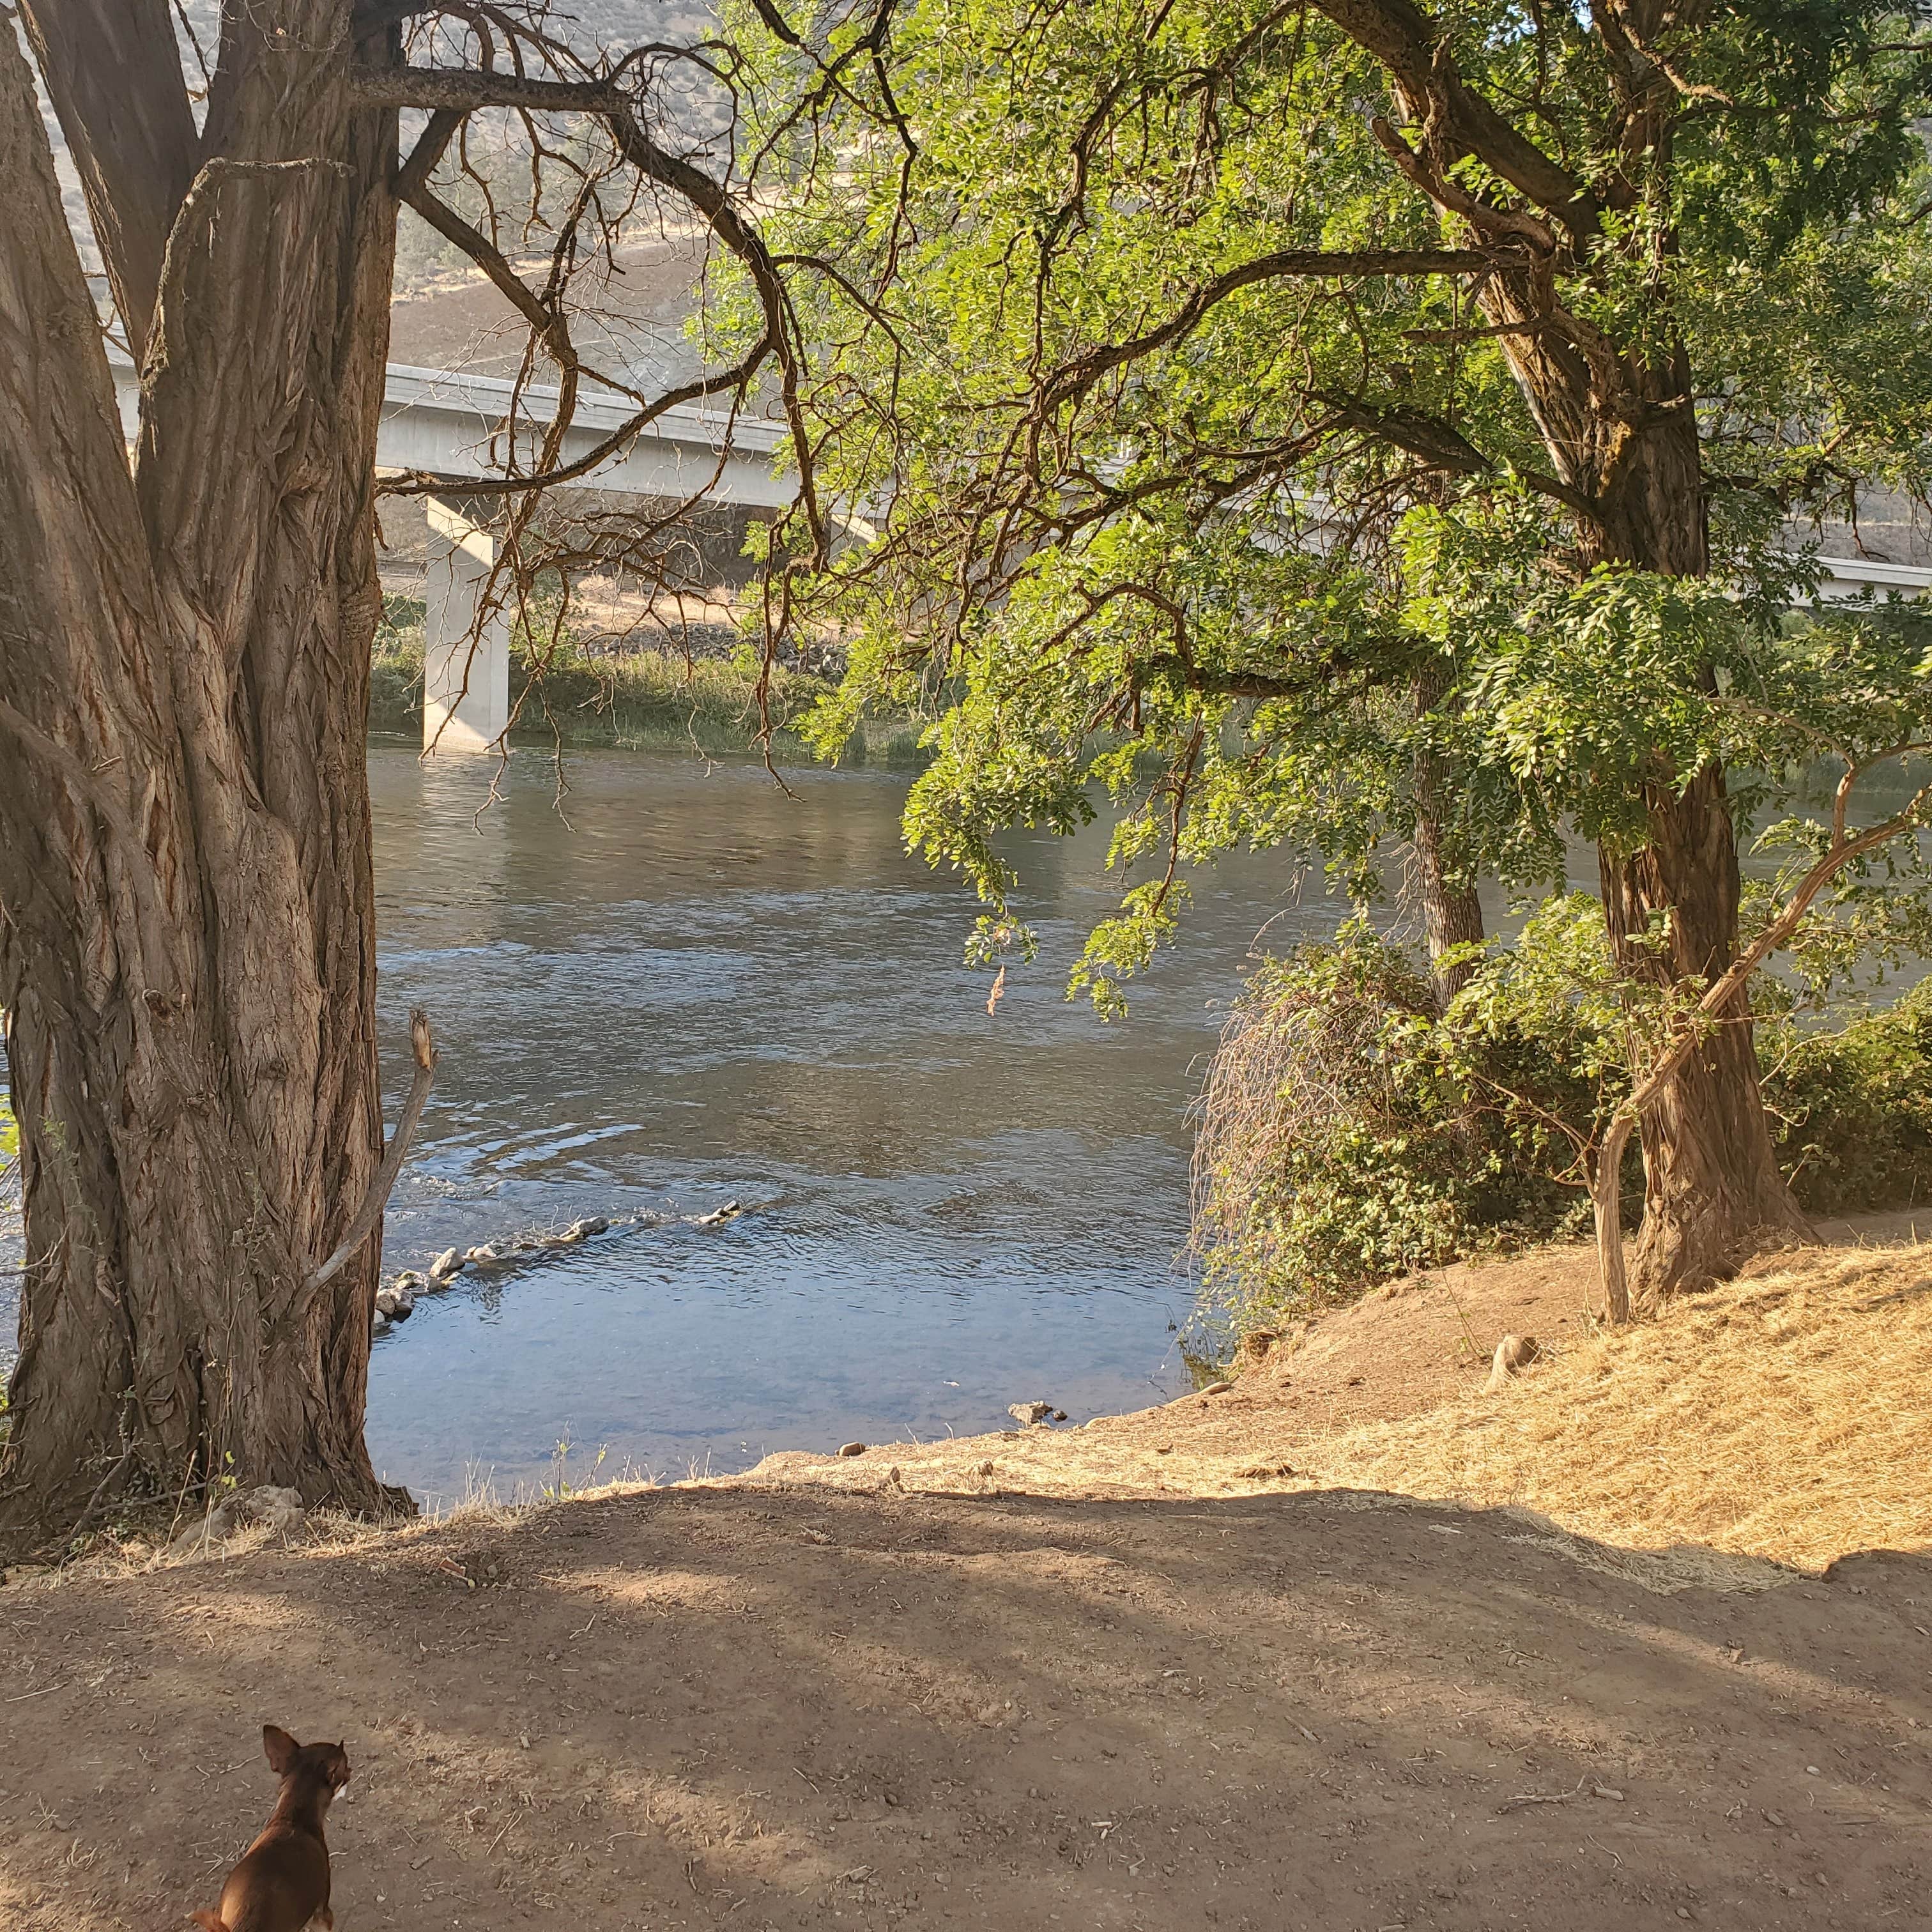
(699, 989)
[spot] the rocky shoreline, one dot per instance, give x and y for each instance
(396, 1299)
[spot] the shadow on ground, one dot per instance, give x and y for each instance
(777, 1707)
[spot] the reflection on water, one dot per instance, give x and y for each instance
(700, 988)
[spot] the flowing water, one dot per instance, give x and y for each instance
(700, 990)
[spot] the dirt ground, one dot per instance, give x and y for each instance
(834, 1693)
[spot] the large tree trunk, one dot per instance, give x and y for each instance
(1712, 1187)
(1452, 915)
(186, 909)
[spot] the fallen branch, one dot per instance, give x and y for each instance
(371, 1212)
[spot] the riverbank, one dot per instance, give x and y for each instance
(1781, 1418)
(644, 699)
(1164, 1696)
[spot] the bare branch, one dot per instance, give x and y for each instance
(383, 1181)
(465, 90)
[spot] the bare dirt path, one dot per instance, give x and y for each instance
(789, 1706)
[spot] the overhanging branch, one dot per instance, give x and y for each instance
(466, 90)
(1302, 264)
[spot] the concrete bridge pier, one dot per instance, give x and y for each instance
(465, 672)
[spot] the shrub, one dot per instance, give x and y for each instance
(1852, 1110)
(1348, 1130)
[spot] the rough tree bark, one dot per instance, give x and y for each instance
(1712, 1186)
(1619, 422)
(186, 906)
(1452, 915)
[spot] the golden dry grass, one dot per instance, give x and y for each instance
(1787, 1415)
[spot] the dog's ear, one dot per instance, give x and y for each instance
(281, 1749)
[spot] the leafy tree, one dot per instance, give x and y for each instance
(1381, 422)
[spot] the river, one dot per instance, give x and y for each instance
(699, 989)
(686, 988)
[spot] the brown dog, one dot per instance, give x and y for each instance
(282, 1882)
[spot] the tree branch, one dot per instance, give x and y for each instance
(1078, 377)
(383, 1182)
(465, 90)
(1413, 48)
(711, 199)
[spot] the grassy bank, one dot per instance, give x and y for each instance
(1777, 1418)
(640, 701)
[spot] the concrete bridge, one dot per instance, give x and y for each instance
(456, 426)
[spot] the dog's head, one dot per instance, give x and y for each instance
(328, 1765)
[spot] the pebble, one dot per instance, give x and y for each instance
(1217, 1388)
(851, 1448)
(379, 1326)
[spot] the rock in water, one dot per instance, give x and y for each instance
(447, 1265)
(408, 1282)
(580, 1231)
(379, 1326)
(397, 1304)
(1026, 1414)
(1514, 1353)
(482, 1257)
(718, 1214)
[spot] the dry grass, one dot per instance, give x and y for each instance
(1781, 1419)
(1786, 1415)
